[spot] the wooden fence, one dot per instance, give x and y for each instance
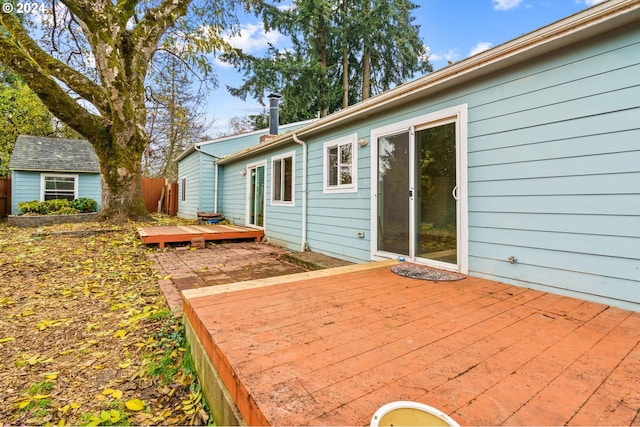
(5, 196)
(159, 196)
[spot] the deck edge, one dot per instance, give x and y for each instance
(223, 408)
(290, 278)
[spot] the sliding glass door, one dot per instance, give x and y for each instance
(417, 199)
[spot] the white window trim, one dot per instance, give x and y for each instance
(291, 203)
(247, 185)
(183, 196)
(44, 176)
(459, 115)
(341, 188)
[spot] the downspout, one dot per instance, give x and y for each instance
(215, 176)
(303, 246)
(215, 187)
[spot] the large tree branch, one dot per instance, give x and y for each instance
(155, 23)
(54, 97)
(76, 81)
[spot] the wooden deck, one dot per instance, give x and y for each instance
(177, 234)
(331, 347)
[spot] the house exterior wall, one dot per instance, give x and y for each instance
(553, 174)
(198, 168)
(25, 187)
(189, 175)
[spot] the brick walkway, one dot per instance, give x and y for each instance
(332, 349)
(217, 264)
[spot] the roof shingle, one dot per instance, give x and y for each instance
(37, 153)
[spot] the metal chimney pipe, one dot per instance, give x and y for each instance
(274, 106)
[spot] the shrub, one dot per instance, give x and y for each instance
(85, 205)
(33, 207)
(58, 207)
(55, 205)
(66, 211)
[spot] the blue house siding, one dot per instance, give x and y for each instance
(197, 166)
(334, 220)
(553, 171)
(26, 186)
(554, 179)
(189, 175)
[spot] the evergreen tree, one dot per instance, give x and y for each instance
(343, 51)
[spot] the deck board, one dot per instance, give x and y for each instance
(181, 233)
(329, 349)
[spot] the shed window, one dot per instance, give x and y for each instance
(340, 165)
(282, 182)
(183, 189)
(59, 187)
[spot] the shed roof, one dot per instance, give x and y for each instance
(36, 153)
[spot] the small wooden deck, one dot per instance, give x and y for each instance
(330, 347)
(183, 233)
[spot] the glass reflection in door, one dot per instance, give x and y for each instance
(256, 196)
(393, 194)
(435, 229)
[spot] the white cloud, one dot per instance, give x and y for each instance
(590, 3)
(507, 4)
(451, 55)
(480, 47)
(253, 39)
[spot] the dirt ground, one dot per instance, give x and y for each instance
(86, 335)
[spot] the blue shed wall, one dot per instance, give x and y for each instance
(553, 174)
(25, 187)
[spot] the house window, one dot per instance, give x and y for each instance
(340, 165)
(59, 187)
(183, 192)
(282, 179)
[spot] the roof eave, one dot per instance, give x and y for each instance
(580, 26)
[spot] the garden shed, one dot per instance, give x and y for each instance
(53, 168)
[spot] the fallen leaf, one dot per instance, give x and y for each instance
(51, 375)
(4, 340)
(121, 333)
(135, 404)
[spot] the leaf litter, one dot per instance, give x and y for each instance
(86, 337)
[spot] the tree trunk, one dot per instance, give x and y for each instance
(345, 56)
(366, 59)
(121, 169)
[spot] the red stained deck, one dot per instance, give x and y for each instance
(330, 347)
(176, 234)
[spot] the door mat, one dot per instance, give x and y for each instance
(415, 271)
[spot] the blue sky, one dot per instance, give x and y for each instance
(452, 29)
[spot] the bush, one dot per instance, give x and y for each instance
(33, 207)
(58, 207)
(66, 211)
(85, 205)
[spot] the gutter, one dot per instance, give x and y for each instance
(586, 24)
(303, 239)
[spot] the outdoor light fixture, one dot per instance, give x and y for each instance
(363, 142)
(243, 172)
